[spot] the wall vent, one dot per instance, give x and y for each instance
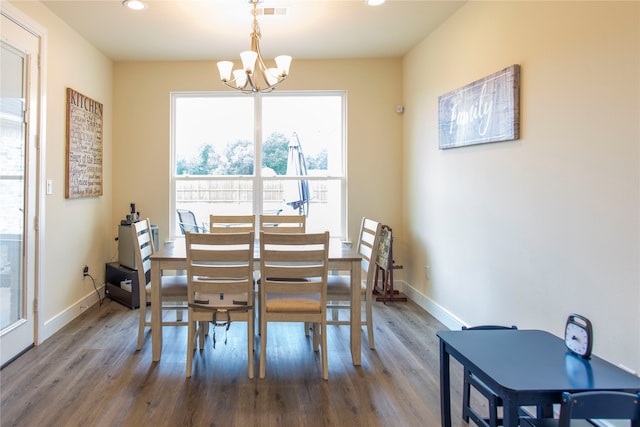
(273, 11)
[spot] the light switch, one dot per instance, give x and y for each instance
(49, 187)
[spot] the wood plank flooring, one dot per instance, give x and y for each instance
(89, 374)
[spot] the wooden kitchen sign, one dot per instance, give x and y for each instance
(487, 110)
(84, 146)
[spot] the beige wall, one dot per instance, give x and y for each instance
(526, 232)
(76, 232)
(141, 127)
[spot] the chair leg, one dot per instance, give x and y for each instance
(468, 413)
(369, 314)
(466, 394)
(141, 323)
(250, 336)
(201, 331)
(493, 412)
(316, 336)
(259, 316)
(325, 364)
(191, 336)
(263, 346)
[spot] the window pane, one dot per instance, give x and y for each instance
(324, 210)
(214, 135)
(215, 156)
(313, 122)
(302, 136)
(204, 197)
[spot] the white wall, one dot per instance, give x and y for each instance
(528, 231)
(76, 231)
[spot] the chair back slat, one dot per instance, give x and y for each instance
(232, 223)
(283, 223)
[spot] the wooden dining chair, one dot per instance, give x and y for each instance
(220, 287)
(283, 223)
(276, 223)
(173, 288)
(576, 409)
(232, 223)
(294, 268)
(339, 286)
(470, 380)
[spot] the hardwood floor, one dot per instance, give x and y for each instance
(89, 374)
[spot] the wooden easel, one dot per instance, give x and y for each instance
(385, 266)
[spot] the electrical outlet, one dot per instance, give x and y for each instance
(85, 271)
(427, 272)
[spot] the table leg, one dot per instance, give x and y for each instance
(156, 312)
(511, 414)
(356, 313)
(445, 387)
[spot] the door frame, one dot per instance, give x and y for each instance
(15, 15)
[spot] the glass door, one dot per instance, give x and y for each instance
(18, 187)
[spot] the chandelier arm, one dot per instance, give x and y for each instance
(242, 89)
(250, 82)
(263, 69)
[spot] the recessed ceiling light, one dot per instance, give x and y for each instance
(134, 4)
(375, 2)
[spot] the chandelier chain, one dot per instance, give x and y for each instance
(256, 25)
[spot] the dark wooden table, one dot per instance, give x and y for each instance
(525, 368)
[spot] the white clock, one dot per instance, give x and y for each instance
(578, 335)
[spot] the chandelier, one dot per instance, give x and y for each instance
(254, 77)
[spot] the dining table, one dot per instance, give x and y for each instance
(525, 368)
(342, 257)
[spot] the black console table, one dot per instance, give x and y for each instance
(116, 273)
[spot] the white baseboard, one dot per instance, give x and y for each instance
(444, 316)
(60, 320)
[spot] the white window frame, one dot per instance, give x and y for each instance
(257, 178)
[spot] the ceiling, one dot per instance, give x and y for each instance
(180, 30)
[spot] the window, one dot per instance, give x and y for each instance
(296, 138)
